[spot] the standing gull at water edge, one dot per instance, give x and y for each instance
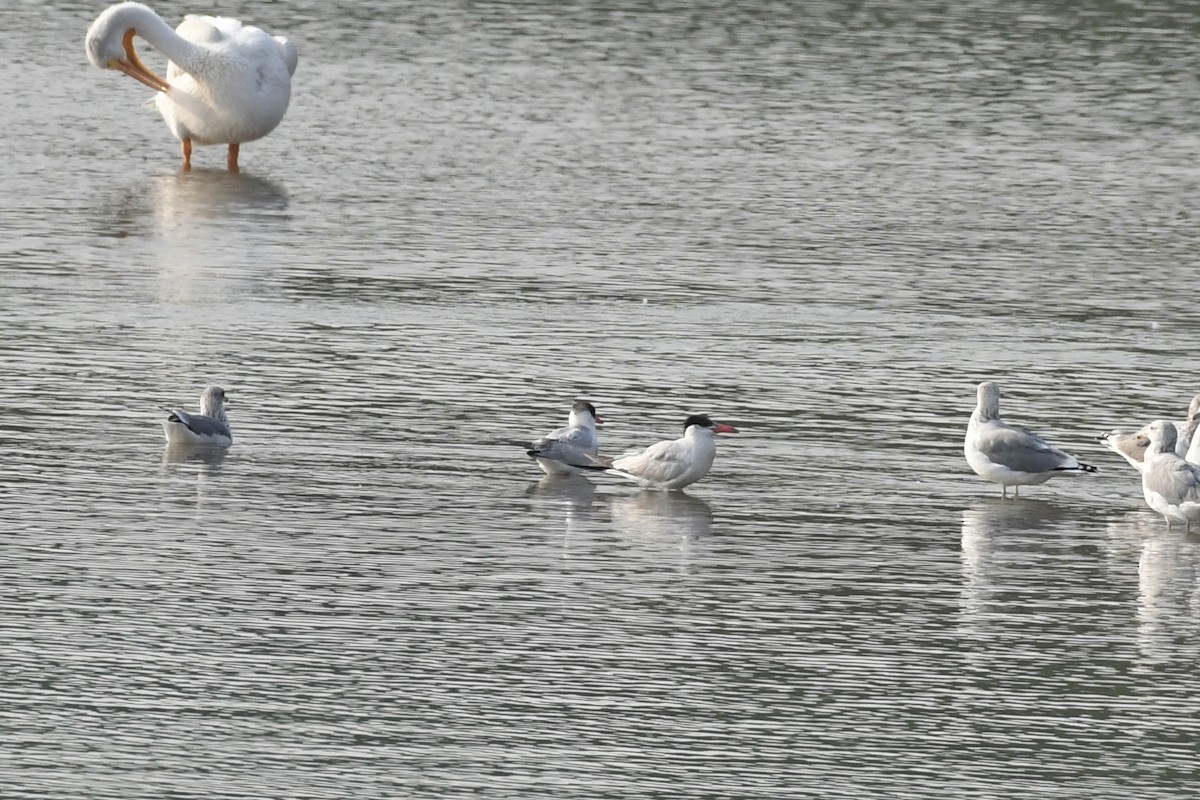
(1170, 485)
(210, 426)
(1011, 456)
(226, 83)
(674, 464)
(565, 450)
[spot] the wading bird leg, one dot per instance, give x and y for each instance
(231, 159)
(186, 144)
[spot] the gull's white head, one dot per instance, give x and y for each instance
(583, 415)
(109, 42)
(1162, 435)
(989, 401)
(212, 402)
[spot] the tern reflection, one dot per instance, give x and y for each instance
(575, 494)
(658, 515)
(655, 525)
(576, 491)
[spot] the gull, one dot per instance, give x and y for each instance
(210, 426)
(566, 451)
(1170, 485)
(1008, 455)
(672, 464)
(1131, 445)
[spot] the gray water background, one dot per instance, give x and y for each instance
(822, 223)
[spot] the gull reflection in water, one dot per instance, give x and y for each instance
(207, 458)
(986, 528)
(1168, 577)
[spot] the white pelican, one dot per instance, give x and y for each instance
(565, 450)
(672, 464)
(210, 426)
(1011, 456)
(226, 83)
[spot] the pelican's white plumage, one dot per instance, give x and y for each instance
(226, 83)
(565, 450)
(672, 464)
(1008, 455)
(210, 426)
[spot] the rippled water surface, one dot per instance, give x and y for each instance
(823, 224)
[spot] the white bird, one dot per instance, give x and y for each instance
(226, 83)
(1131, 445)
(565, 451)
(1170, 485)
(210, 426)
(673, 464)
(1011, 456)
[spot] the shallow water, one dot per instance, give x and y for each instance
(823, 227)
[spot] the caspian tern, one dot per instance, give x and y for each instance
(1170, 485)
(1011, 456)
(674, 464)
(210, 426)
(566, 450)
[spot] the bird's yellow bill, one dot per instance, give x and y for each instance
(132, 66)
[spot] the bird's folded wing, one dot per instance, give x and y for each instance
(1022, 451)
(200, 424)
(560, 450)
(658, 463)
(1175, 480)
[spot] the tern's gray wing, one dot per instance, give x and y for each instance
(574, 446)
(559, 450)
(582, 438)
(200, 424)
(1022, 451)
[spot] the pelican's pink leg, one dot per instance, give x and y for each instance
(186, 144)
(231, 160)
